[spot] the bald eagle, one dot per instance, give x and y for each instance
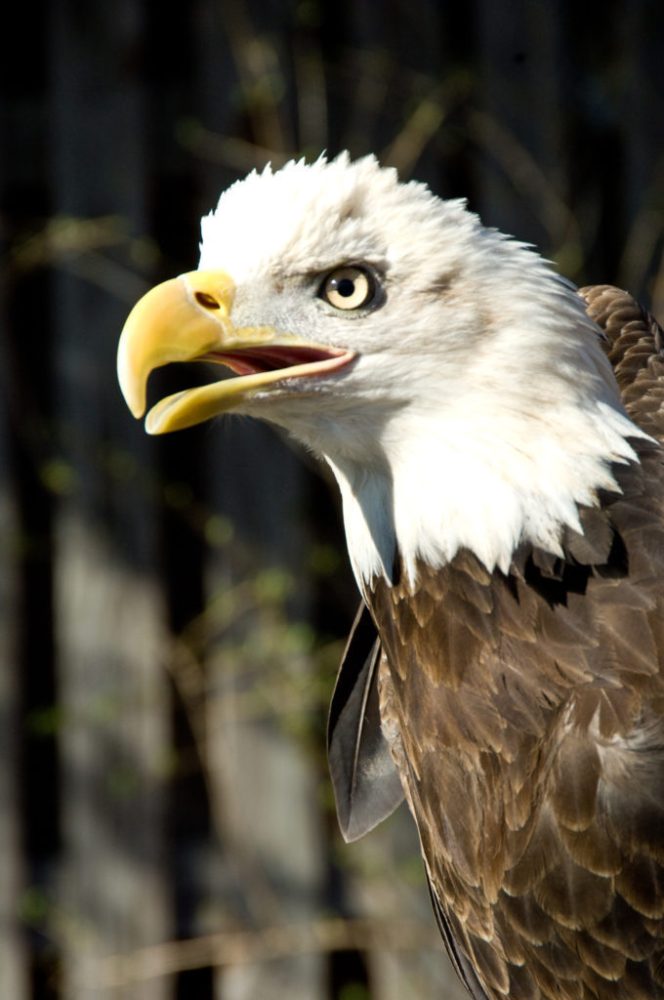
(496, 437)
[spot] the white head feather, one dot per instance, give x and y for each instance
(481, 409)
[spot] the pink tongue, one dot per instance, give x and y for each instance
(250, 361)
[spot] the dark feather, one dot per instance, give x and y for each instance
(460, 962)
(367, 787)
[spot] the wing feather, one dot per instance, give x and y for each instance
(365, 780)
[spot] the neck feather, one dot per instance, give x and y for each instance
(488, 482)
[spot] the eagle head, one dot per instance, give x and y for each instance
(451, 379)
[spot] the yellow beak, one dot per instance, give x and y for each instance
(188, 319)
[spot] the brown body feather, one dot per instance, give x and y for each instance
(530, 714)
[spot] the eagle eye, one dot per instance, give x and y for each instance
(348, 288)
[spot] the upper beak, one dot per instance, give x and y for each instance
(188, 318)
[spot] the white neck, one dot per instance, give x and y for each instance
(483, 480)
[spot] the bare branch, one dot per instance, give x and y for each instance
(241, 947)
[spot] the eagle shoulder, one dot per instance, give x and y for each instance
(634, 345)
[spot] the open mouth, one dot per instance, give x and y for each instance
(251, 360)
(188, 319)
(254, 369)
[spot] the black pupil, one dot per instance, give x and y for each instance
(345, 287)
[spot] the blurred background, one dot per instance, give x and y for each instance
(172, 611)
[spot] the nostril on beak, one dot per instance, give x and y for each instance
(206, 300)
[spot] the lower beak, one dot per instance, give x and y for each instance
(188, 319)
